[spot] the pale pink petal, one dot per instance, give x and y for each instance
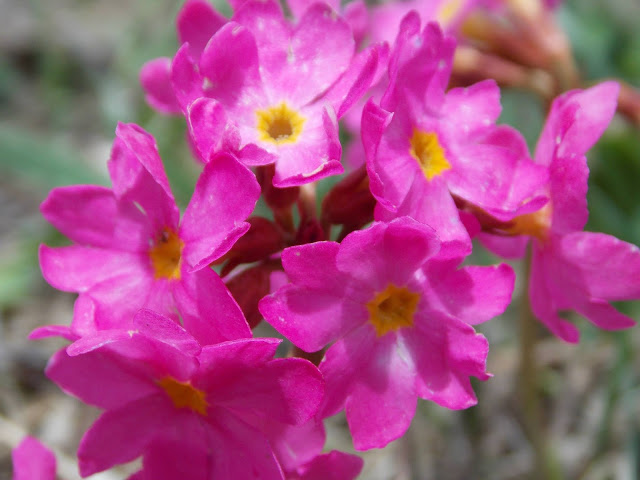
(196, 23)
(473, 109)
(208, 310)
(225, 195)
(120, 435)
(33, 461)
(91, 215)
(315, 64)
(155, 78)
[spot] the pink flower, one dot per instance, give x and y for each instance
(334, 465)
(33, 461)
(131, 250)
(196, 22)
(184, 407)
(283, 87)
(572, 269)
(400, 318)
(426, 148)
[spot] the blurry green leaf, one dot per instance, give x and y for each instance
(42, 161)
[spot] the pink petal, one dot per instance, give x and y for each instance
(446, 353)
(186, 80)
(609, 266)
(196, 23)
(210, 129)
(78, 269)
(356, 80)
(211, 226)
(316, 64)
(312, 312)
(315, 155)
(208, 310)
(155, 78)
(138, 175)
(387, 253)
(158, 327)
(334, 465)
(377, 385)
(295, 445)
(287, 390)
(569, 187)
(97, 380)
(471, 294)
(91, 215)
(474, 108)
(33, 461)
(299, 7)
(120, 435)
(230, 62)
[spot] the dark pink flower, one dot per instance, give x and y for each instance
(400, 318)
(426, 148)
(132, 251)
(187, 408)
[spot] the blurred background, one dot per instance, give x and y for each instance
(69, 73)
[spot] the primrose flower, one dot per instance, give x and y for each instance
(196, 22)
(426, 148)
(131, 250)
(33, 461)
(400, 318)
(201, 407)
(282, 86)
(572, 269)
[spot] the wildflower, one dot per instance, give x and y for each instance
(427, 148)
(572, 269)
(400, 318)
(131, 251)
(200, 408)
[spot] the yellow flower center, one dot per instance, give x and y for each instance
(279, 124)
(184, 395)
(166, 255)
(449, 10)
(393, 308)
(426, 149)
(536, 224)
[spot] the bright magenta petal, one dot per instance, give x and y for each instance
(33, 461)
(155, 78)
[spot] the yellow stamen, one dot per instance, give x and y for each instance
(184, 395)
(426, 149)
(166, 255)
(279, 124)
(393, 308)
(536, 224)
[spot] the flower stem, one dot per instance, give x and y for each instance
(545, 465)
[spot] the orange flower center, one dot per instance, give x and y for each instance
(279, 124)
(184, 395)
(166, 255)
(536, 224)
(393, 308)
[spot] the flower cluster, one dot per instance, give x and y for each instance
(378, 315)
